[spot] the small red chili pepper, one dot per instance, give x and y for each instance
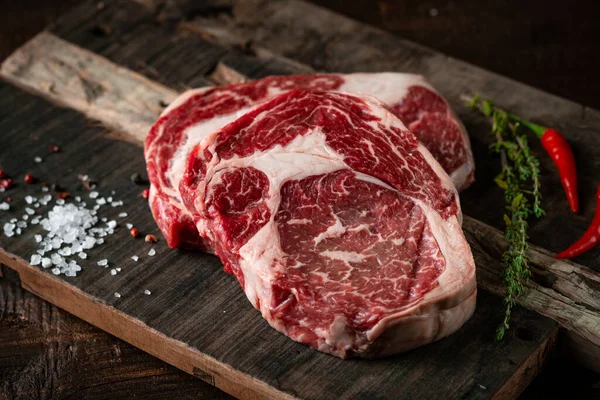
(8, 199)
(134, 232)
(561, 154)
(29, 178)
(62, 195)
(6, 183)
(2, 173)
(145, 193)
(53, 148)
(559, 150)
(590, 238)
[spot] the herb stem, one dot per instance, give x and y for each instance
(520, 180)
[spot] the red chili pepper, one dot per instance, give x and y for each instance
(561, 154)
(145, 193)
(62, 195)
(2, 173)
(590, 238)
(134, 232)
(53, 148)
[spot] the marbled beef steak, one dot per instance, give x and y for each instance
(202, 112)
(339, 225)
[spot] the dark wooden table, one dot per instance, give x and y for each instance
(46, 353)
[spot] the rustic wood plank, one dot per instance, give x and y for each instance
(198, 319)
(330, 42)
(142, 41)
(78, 79)
(561, 290)
(576, 305)
(47, 353)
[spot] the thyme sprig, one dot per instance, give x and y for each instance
(520, 180)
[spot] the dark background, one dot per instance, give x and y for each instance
(552, 45)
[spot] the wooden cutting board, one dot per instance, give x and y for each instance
(139, 56)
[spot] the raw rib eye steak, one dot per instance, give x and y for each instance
(202, 112)
(340, 226)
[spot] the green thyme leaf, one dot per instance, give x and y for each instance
(520, 181)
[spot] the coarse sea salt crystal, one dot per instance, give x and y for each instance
(25, 217)
(93, 194)
(56, 271)
(104, 219)
(135, 258)
(122, 215)
(117, 295)
(152, 252)
(101, 201)
(66, 251)
(18, 231)
(56, 259)
(129, 226)
(4, 206)
(36, 259)
(113, 271)
(88, 243)
(70, 229)
(109, 199)
(37, 159)
(29, 199)
(44, 189)
(56, 242)
(147, 292)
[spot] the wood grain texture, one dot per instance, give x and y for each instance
(46, 353)
(81, 80)
(562, 290)
(197, 317)
(573, 294)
